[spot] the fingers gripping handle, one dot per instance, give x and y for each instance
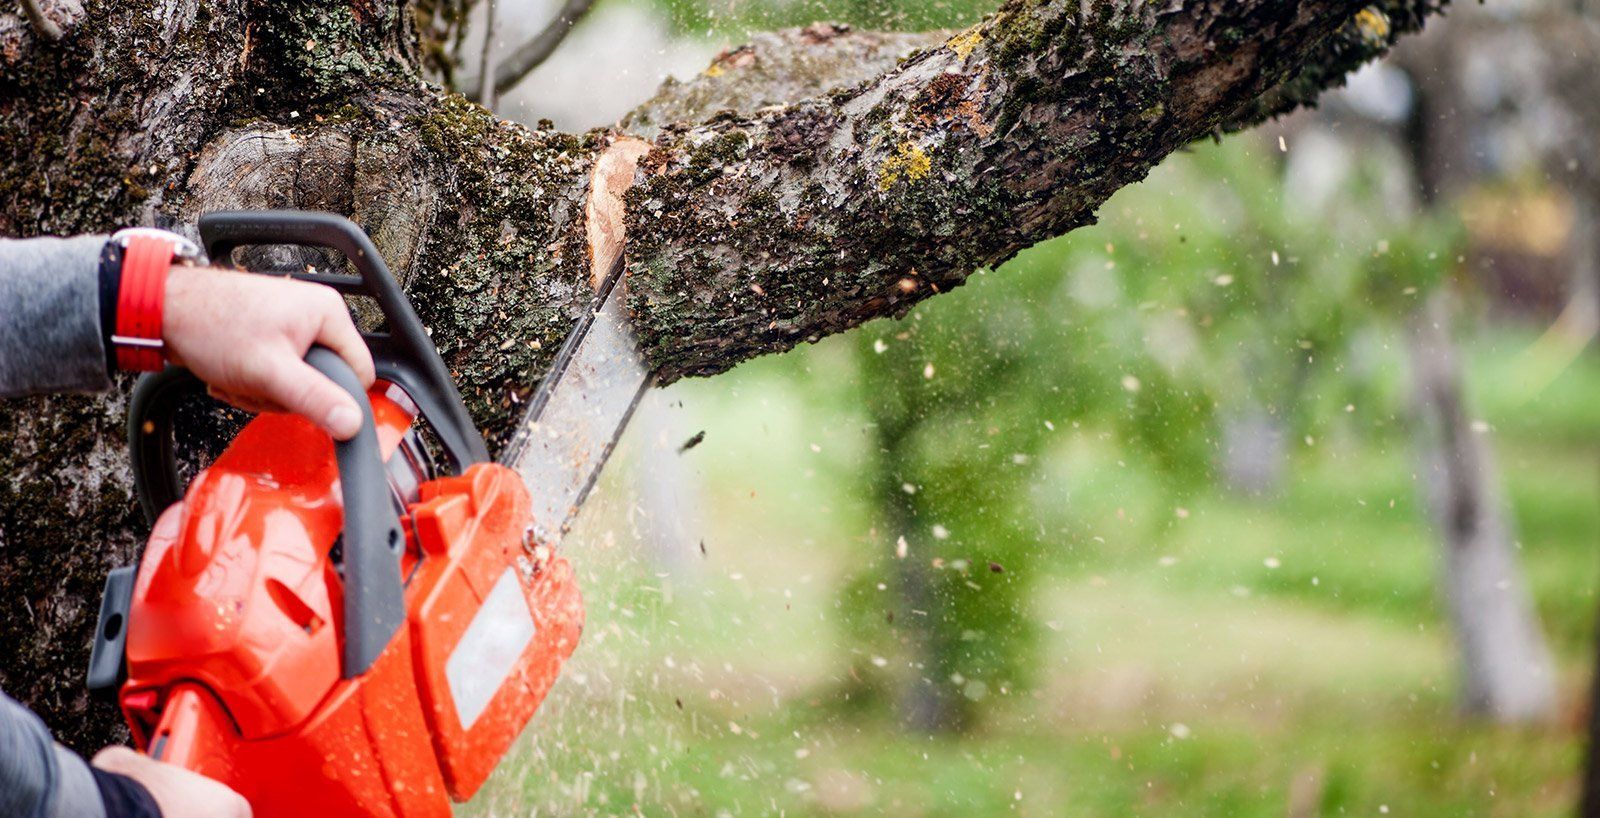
(374, 600)
(404, 353)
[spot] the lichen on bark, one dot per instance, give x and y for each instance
(767, 226)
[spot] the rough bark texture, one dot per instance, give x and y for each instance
(776, 69)
(963, 154)
(749, 232)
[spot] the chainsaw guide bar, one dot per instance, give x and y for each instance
(579, 411)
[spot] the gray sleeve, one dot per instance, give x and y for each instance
(38, 777)
(50, 316)
(49, 341)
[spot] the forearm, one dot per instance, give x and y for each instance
(39, 778)
(50, 332)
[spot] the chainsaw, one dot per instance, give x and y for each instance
(358, 628)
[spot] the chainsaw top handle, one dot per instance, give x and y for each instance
(403, 353)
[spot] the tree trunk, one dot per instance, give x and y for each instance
(1254, 453)
(928, 701)
(1576, 84)
(923, 618)
(1506, 670)
(812, 206)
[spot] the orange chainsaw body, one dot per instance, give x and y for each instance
(234, 630)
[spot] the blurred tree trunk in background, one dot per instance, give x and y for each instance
(1579, 321)
(1584, 306)
(927, 701)
(1507, 673)
(1575, 83)
(1506, 670)
(1255, 455)
(920, 617)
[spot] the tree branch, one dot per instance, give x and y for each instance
(760, 229)
(487, 94)
(533, 53)
(1364, 37)
(778, 68)
(813, 182)
(45, 26)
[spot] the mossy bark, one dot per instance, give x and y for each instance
(767, 226)
(862, 186)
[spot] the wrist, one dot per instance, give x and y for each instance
(185, 298)
(124, 797)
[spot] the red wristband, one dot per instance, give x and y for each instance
(140, 298)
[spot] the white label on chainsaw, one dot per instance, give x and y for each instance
(488, 651)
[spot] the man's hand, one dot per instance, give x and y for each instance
(246, 336)
(178, 792)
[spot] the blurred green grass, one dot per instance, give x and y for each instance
(1250, 657)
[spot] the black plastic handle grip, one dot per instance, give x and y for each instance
(374, 598)
(152, 446)
(404, 355)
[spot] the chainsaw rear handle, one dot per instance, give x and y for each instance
(374, 599)
(403, 354)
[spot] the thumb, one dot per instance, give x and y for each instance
(176, 791)
(118, 759)
(301, 389)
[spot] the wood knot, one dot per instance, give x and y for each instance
(819, 33)
(797, 136)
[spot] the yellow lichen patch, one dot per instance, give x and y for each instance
(741, 57)
(909, 162)
(1373, 25)
(965, 42)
